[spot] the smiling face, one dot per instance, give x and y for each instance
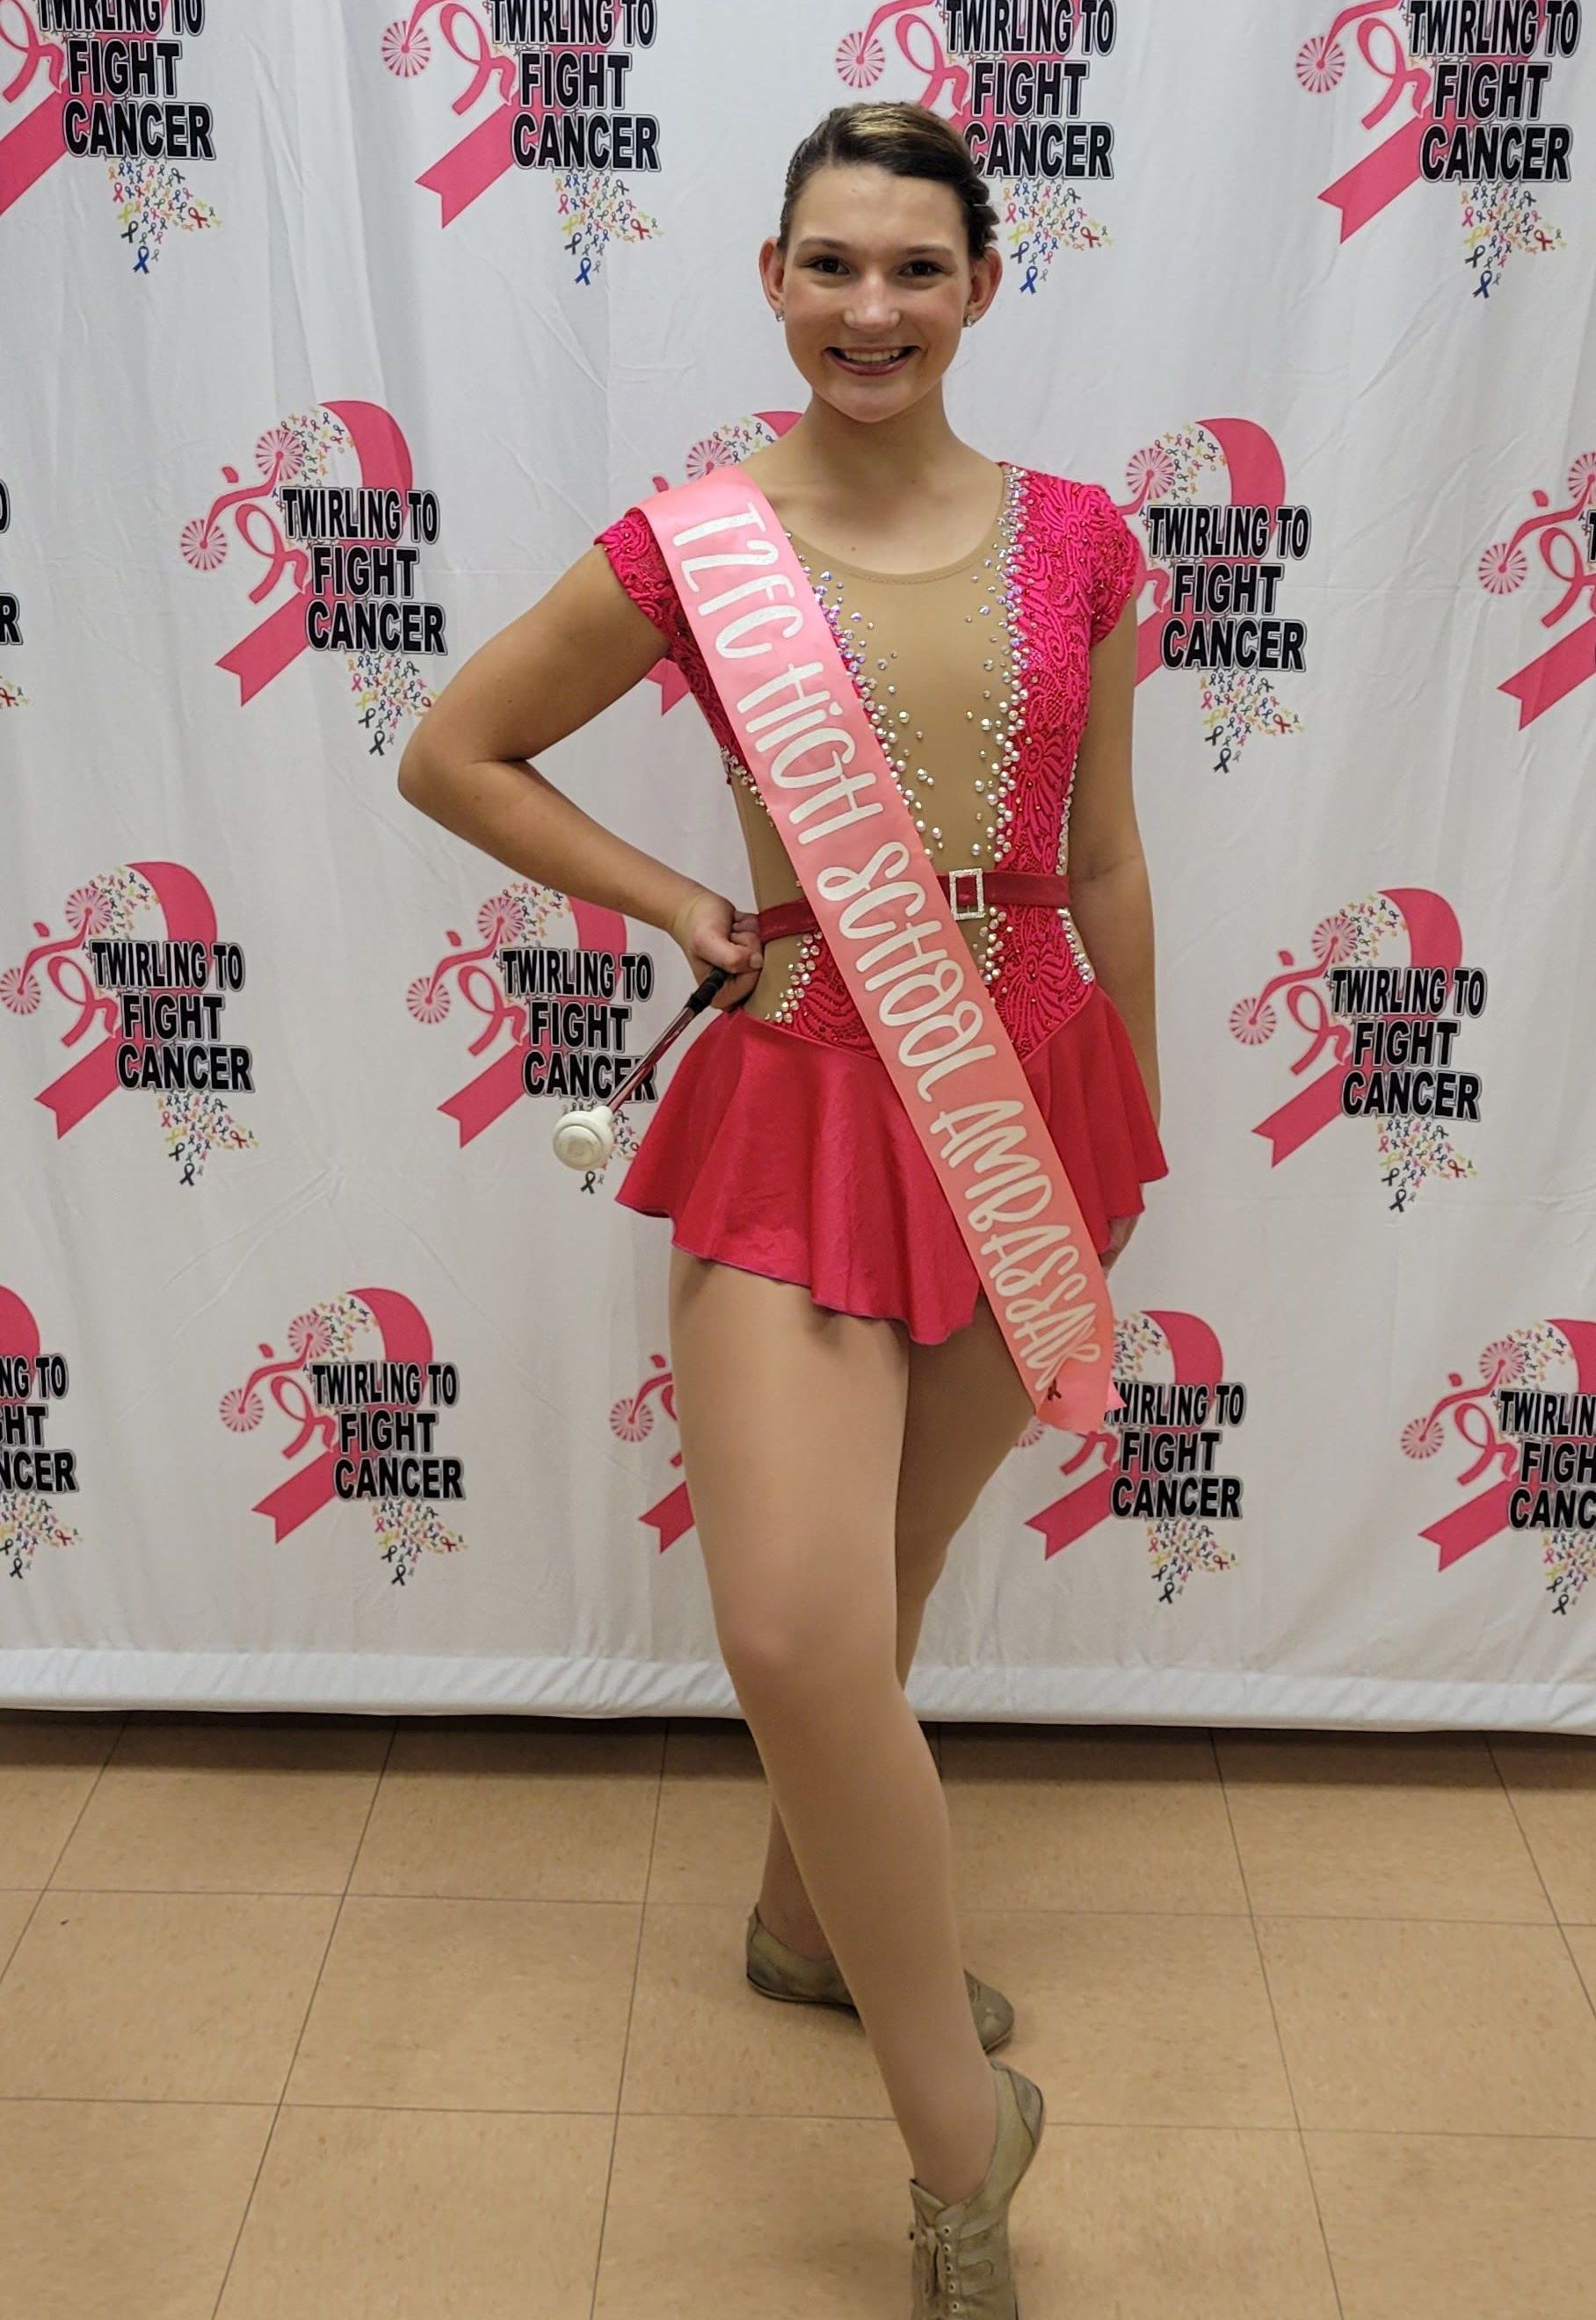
(877, 264)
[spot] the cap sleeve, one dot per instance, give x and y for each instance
(1116, 562)
(638, 564)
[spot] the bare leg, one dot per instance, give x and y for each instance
(966, 1409)
(793, 1432)
(784, 1905)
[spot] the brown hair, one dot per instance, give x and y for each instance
(908, 140)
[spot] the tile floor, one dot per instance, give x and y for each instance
(334, 2018)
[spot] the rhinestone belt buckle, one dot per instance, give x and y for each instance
(978, 873)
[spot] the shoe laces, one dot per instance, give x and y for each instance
(946, 2268)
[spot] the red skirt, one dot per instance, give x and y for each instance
(786, 1157)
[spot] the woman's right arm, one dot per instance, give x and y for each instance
(577, 650)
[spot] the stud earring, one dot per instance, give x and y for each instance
(968, 319)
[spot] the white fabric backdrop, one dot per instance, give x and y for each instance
(330, 270)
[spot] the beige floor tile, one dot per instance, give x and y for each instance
(471, 2006)
(240, 1804)
(809, 2218)
(1099, 1820)
(704, 2039)
(1458, 2227)
(364, 2215)
(160, 1997)
(1118, 2223)
(1363, 1824)
(1432, 2029)
(112, 2209)
(1552, 1782)
(1581, 1941)
(15, 1909)
(1137, 2020)
(1123, 2020)
(756, 2219)
(49, 1766)
(714, 1814)
(561, 1814)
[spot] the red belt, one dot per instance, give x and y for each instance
(978, 890)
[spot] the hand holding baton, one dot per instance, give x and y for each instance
(585, 1139)
(706, 925)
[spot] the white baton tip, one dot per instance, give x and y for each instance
(586, 1139)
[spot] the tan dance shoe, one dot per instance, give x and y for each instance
(779, 1971)
(962, 2269)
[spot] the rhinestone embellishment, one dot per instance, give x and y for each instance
(997, 733)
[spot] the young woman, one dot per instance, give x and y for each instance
(842, 1387)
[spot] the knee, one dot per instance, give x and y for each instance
(804, 1655)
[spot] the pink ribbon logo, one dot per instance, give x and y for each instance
(19, 1335)
(1373, 184)
(1257, 477)
(1434, 940)
(33, 1516)
(631, 1420)
(1485, 1516)
(30, 150)
(385, 461)
(487, 151)
(917, 29)
(917, 33)
(188, 916)
(405, 1337)
(1376, 181)
(1557, 533)
(950, 88)
(501, 1083)
(1196, 1358)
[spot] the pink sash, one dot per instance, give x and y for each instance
(805, 736)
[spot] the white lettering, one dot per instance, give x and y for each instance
(957, 1057)
(856, 812)
(754, 554)
(842, 754)
(793, 675)
(747, 588)
(915, 937)
(712, 525)
(934, 978)
(806, 723)
(971, 1121)
(790, 616)
(838, 883)
(858, 930)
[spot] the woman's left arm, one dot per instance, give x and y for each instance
(1110, 900)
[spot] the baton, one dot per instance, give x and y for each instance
(585, 1137)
